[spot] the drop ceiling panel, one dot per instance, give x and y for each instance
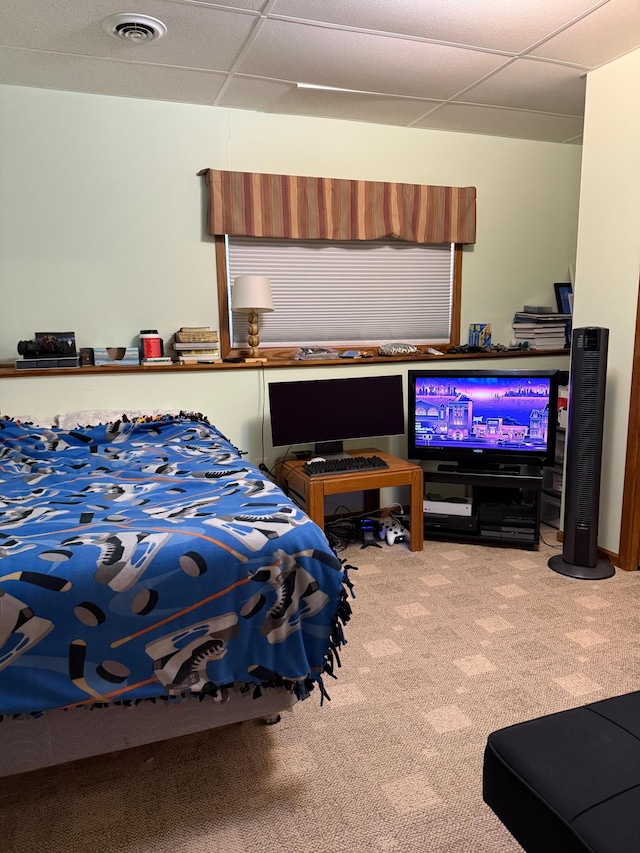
(252, 5)
(610, 31)
(498, 24)
(276, 97)
(76, 27)
(498, 122)
(533, 85)
(434, 51)
(106, 77)
(310, 54)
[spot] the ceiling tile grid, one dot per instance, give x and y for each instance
(98, 76)
(496, 67)
(364, 62)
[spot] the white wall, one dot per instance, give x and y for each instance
(101, 225)
(101, 230)
(236, 401)
(608, 257)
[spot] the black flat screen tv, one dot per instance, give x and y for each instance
(326, 412)
(483, 419)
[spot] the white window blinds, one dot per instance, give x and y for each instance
(340, 293)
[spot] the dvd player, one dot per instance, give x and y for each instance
(435, 521)
(524, 533)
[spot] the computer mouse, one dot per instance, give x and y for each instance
(316, 459)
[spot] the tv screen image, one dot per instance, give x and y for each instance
(506, 415)
(334, 410)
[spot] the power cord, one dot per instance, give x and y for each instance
(341, 534)
(548, 544)
(267, 471)
(344, 530)
(371, 514)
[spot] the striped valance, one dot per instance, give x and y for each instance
(293, 207)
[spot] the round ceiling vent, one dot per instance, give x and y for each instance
(134, 28)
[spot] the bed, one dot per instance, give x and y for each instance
(152, 583)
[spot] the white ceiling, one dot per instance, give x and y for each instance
(502, 67)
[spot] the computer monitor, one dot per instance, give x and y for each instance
(483, 418)
(326, 412)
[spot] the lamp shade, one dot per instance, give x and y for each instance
(251, 293)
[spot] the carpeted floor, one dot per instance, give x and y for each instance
(443, 647)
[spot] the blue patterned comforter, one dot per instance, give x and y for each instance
(149, 559)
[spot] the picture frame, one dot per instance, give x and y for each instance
(564, 297)
(56, 343)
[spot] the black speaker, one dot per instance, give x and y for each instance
(587, 382)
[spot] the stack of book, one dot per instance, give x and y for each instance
(196, 345)
(157, 361)
(540, 327)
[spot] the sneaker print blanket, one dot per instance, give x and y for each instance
(146, 559)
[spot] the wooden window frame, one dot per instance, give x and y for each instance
(227, 351)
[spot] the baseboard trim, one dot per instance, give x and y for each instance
(604, 552)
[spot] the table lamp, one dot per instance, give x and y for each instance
(252, 295)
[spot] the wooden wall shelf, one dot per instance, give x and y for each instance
(8, 371)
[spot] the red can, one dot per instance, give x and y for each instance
(150, 344)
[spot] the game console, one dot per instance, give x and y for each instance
(447, 506)
(392, 531)
(505, 521)
(506, 515)
(523, 534)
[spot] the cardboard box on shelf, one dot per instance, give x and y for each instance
(110, 356)
(480, 335)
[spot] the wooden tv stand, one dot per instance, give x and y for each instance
(290, 475)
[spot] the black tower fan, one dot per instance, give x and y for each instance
(587, 382)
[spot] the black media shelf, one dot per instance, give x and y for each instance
(505, 507)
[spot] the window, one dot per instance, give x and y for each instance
(345, 294)
(351, 295)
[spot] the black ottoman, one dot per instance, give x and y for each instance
(569, 782)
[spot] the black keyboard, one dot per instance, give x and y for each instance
(343, 464)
